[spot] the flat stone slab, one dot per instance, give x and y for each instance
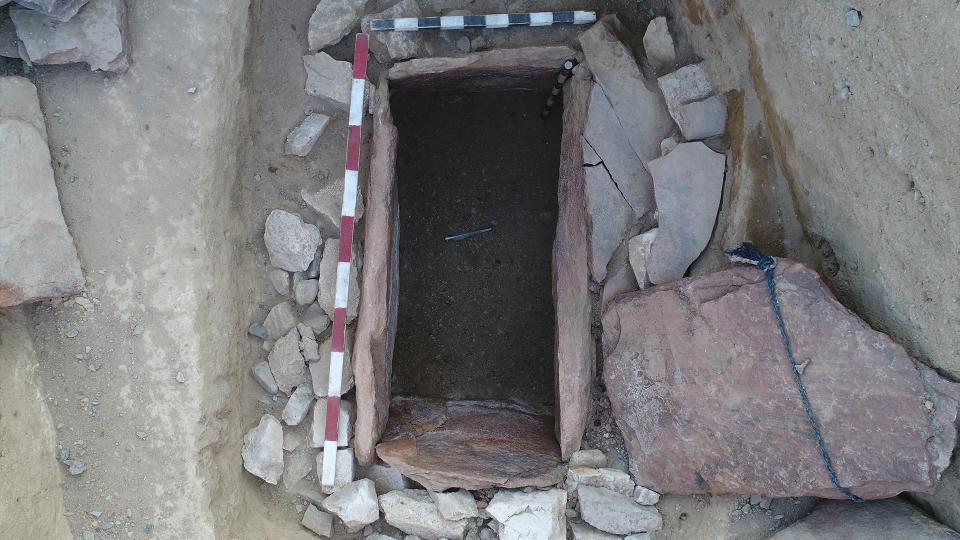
(866, 521)
(332, 20)
(470, 444)
(688, 183)
(37, 257)
(96, 36)
(702, 390)
(57, 10)
(522, 68)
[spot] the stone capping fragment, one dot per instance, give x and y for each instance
(522, 68)
(379, 286)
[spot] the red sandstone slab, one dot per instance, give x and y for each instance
(501, 69)
(700, 385)
(471, 444)
(377, 313)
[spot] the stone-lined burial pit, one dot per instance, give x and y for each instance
(440, 442)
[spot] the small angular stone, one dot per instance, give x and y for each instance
(308, 343)
(262, 450)
(611, 479)
(55, 10)
(328, 281)
(333, 20)
(305, 291)
(414, 512)
(280, 279)
(639, 251)
(258, 330)
(385, 478)
(703, 119)
(96, 36)
(455, 505)
(588, 458)
(344, 424)
(327, 202)
(658, 45)
(355, 504)
(286, 362)
(685, 85)
(298, 405)
(646, 496)
(615, 513)
(280, 320)
(344, 473)
(320, 369)
(301, 139)
(394, 46)
(536, 515)
(264, 377)
(290, 242)
(321, 523)
(316, 318)
(329, 79)
(297, 466)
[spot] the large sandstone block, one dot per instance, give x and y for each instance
(470, 444)
(700, 386)
(892, 518)
(37, 257)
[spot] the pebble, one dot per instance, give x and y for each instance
(258, 330)
(95, 513)
(755, 499)
(107, 525)
(745, 509)
(192, 90)
(853, 18)
(180, 377)
(72, 333)
(137, 330)
(142, 435)
(87, 535)
(76, 466)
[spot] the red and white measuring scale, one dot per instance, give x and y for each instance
(343, 264)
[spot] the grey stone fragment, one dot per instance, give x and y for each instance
(258, 330)
(301, 139)
(414, 512)
(658, 45)
(328, 281)
(615, 513)
(297, 466)
(96, 35)
(329, 79)
(638, 253)
(668, 144)
(9, 42)
(19, 100)
(264, 377)
(308, 343)
(280, 279)
(611, 479)
(703, 119)
(262, 450)
(685, 85)
(853, 18)
(298, 405)
(344, 473)
(55, 10)
(688, 183)
(305, 292)
(290, 242)
(385, 478)
(394, 46)
(75, 466)
(355, 504)
(321, 523)
(286, 361)
(280, 320)
(608, 214)
(333, 20)
(539, 514)
(607, 138)
(646, 496)
(455, 505)
(327, 202)
(316, 318)
(588, 458)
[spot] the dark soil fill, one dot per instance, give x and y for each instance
(476, 316)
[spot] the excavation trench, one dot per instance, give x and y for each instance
(457, 346)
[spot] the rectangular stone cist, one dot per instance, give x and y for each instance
(435, 438)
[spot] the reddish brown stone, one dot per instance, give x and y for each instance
(470, 444)
(700, 385)
(891, 518)
(377, 313)
(523, 68)
(571, 274)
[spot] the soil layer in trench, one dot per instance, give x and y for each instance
(476, 318)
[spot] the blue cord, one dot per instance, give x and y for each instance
(748, 253)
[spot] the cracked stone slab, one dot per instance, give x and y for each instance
(609, 216)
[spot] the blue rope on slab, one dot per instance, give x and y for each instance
(749, 254)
